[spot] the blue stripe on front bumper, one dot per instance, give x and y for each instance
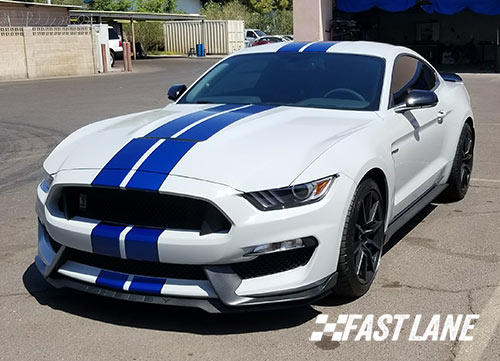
(111, 279)
(147, 284)
(142, 244)
(105, 239)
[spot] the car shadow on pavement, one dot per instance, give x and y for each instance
(159, 317)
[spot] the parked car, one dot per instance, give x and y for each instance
(115, 45)
(277, 178)
(252, 34)
(268, 39)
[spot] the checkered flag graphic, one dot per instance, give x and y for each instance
(328, 327)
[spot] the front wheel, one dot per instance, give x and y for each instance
(461, 171)
(362, 241)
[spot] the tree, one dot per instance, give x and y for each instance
(111, 5)
(156, 6)
(266, 6)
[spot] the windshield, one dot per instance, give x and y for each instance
(316, 80)
(260, 33)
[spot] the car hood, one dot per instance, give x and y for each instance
(260, 151)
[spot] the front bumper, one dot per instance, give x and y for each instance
(222, 290)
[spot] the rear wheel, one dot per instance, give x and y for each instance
(461, 171)
(362, 241)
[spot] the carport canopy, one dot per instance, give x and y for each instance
(447, 7)
(98, 16)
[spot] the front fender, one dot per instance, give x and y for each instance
(354, 157)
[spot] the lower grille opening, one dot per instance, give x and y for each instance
(269, 264)
(140, 268)
(144, 209)
(263, 265)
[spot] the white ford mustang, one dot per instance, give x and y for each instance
(274, 180)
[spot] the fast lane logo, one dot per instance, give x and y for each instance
(368, 328)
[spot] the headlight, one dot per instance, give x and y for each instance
(47, 182)
(293, 196)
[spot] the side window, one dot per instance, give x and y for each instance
(250, 34)
(409, 74)
(112, 34)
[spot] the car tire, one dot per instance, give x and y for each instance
(461, 171)
(113, 57)
(362, 241)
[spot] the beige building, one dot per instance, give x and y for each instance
(18, 14)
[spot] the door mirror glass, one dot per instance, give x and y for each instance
(176, 91)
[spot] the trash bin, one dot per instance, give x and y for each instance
(200, 50)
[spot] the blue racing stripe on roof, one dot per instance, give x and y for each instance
(143, 284)
(117, 168)
(319, 47)
(158, 165)
(208, 128)
(105, 239)
(169, 129)
(293, 47)
(142, 244)
(110, 279)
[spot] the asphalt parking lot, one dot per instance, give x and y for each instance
(447, 261)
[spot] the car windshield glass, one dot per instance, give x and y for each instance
(316, 80)
(260, 33)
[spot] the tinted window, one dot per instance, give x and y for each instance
(409, 74)
(112, 34)
(250, 34)
(321, 80)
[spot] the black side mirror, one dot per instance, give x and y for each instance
(418, 99)
(176, 91)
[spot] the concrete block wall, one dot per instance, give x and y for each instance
(46, 52)
(12, 56)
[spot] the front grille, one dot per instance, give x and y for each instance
(269, 264)
(146, 209)
(140, 268)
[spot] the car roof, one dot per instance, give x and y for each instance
(381, 50)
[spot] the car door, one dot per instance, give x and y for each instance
(417, 135)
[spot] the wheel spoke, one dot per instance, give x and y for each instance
(372, 227)
(359, 261)
(373, 211)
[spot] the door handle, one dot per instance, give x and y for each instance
(440, 117)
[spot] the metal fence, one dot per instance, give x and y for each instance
(219, 36)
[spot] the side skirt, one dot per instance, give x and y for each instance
(412, 210)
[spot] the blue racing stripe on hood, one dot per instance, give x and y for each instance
(319, 47)
(208, 128)
(119, 166)
(158, 165)
(169, 129)
(293, 47)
